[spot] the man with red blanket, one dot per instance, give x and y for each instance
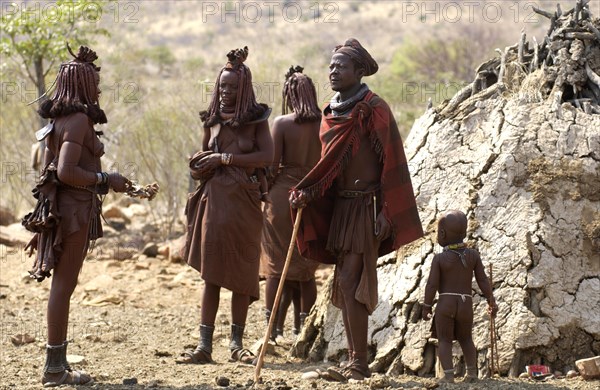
(358, 200)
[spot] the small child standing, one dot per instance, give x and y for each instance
(451, 274)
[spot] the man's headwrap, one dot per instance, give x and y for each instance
(359, 54)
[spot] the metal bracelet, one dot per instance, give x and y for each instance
(226, 158)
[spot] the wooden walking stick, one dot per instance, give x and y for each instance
(288, 259)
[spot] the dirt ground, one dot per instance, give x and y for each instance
(130, 319)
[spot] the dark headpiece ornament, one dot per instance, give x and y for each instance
(300, 95)
(292, 70)
(246, 106)
(359, 55)
(75, 88)
(85, 55)
(236, 57)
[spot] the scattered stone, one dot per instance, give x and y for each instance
(14, 235)
(22, 339)
(103, 301)
(117, 223)
(589, 368)
(26, 277)
(310, 375)
(162, 353)
(113, 263)
(6, 216)
(123, 253)
(125, 201)
(175, 251)
(258, 344)
(572, 374)
(76, 359)
(222, 381)
(152, 384)
(119, 338)
(150, 250)
(136, 210)
(379, 382)
(524, 375)
(92, 337)
(141, 266)
(130, 381)
(558, 374)
(113, 211)
(175, 258)
(100, 282)
(164, 250)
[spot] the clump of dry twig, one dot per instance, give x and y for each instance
(562, 68)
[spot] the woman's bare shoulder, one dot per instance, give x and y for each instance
(73, 127)
(74, 120)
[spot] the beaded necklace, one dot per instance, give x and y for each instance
(459, 250)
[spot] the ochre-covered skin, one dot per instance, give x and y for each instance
(224, 213)
(451, 276)
(296, 150)
(75, 149)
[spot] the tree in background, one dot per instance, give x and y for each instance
(34, 35)
(437, 67)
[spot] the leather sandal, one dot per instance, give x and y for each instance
(73, 377)
(337, 374)
(352, 371)
(356, 373)
(242, 355)
(194, 356)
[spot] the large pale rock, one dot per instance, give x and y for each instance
(589, 368)
(530, 186)
(514, 153)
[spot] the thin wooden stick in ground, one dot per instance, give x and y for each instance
(520, 52)
(491, 365)
(534, 63)
(493, 345)
(261, 355)
(495, 362)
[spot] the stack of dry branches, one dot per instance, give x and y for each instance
(563, 68)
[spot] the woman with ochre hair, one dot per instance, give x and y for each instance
(74, 182)
(224, 213)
